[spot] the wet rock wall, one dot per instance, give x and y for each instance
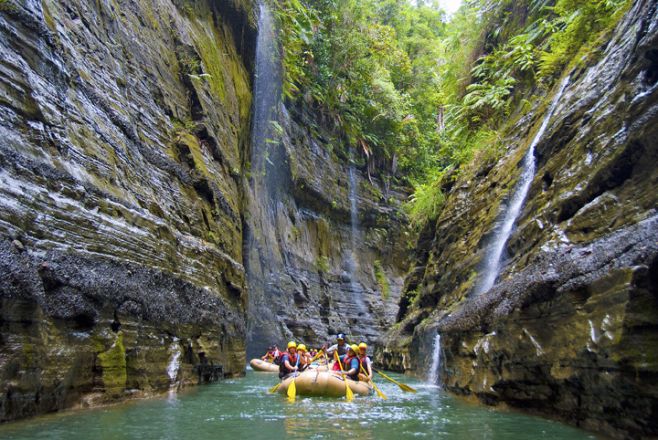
(121, 131)
(569, 330)
(308, 280)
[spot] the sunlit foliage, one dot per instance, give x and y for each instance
(416, 93)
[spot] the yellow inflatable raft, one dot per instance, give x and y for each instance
(317, 383)
(261, 365)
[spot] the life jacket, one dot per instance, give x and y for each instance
(292, 360)
(363, 362)
(276, 356)
(347, 365)
(341, 349)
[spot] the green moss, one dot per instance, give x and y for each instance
(187, 148)
(47, 16)
(113, 364)
(322, 264)
(28, 355)
(242, 87)
(7, 6)
(149, 14)
(382, 280)
(212, 59)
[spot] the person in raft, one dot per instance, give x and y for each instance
(365, 362)
(304, 357)
(351, 364)
(272, 354)
(339, 347)
(288, 361)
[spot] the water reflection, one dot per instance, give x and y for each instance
(304, 422)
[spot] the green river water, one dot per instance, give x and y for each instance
(241, 409)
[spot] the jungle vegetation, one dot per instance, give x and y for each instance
(423, 96)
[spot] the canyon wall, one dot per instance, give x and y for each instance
(570, 328)
(140, 247)
(122, 128)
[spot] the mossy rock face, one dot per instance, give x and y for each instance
(113, 365)
(568, 327)
(118, 179)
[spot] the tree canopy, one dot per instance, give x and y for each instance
(421, 95)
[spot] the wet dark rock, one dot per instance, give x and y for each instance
(120, 230)
(570, 328)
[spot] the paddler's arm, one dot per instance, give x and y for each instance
(369, 367)
(354, 368)
(288, 366)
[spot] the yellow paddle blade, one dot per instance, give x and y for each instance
(406, 388)
(378, 391)
(349, 395)
(402, 386)
(292, 391)
(274, 388)
(317, 356)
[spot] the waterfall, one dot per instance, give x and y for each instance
(435, 367)
(174, 363)
(504, 229)
(266, 176)
(266, 92)
(354, 235)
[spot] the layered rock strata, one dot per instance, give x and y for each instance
(121, 132)
(570, 328)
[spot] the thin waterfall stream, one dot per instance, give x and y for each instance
(354, 235)
(266, 177)
(174, 363)
(266, 89)
(435, 366)
(504, 228)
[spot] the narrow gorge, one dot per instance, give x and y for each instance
(184, 183)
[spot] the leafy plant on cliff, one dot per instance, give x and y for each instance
(296, 24)
(425, 203)
(382, 280)
(322, 264)
(576, 23)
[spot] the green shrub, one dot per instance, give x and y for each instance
(382, 280)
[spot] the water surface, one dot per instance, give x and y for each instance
(242, 409)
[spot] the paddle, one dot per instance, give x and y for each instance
(274, 388)
(402, 386)
(319, 353)
(377, 390)
(349, 395)
(292, 388)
